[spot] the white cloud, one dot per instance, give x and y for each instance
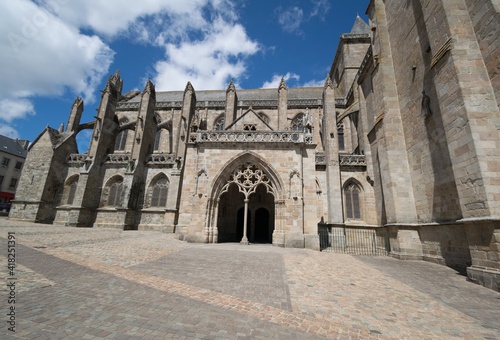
(290, 19)
(52, 46)
(320, 8)
(314, 83)
(11, 109)
(111, 17)
(276, 79)
(208, 63)
(9, 131)
(43, 56)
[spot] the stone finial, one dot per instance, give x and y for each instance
(189, 87)
(282, 84)
(328, 82)
(231, 87)
(61, 128)
(149, 88)
(78, 101)
(116, 81)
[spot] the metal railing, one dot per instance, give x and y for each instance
(354, 240)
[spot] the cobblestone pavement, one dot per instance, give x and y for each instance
(105, 283)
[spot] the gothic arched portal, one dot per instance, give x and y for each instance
(245, 197)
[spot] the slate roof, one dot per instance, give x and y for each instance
(360, 26)
(12, 146)
(250, 94)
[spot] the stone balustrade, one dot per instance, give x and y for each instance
(118, 158)
(251, 137)
(161, 158)
(77, 159)
(353, 160)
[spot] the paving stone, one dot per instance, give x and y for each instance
(230, 291)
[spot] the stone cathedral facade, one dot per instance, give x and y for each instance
(403, 137)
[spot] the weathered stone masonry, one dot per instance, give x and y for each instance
(402, 137)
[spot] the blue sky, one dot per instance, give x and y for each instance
(54, 50)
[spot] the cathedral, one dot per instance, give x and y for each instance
(402, 143)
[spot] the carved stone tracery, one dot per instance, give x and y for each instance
(247, 178)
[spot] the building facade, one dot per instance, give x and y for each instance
(12, 157)
(403, 137)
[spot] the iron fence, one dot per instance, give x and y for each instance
(354, 240)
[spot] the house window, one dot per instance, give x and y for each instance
(19, 165)
(121, 140)
(13, 183)
(159, 193)
(1, 181)
(340, 134)
(5, 162)
(115, 193)
(352, 206)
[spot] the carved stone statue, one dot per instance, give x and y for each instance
(308, 122)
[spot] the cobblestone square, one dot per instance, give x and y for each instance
(75, 283)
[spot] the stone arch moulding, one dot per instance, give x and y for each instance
(221, 182)
(157, 177)
(221, 178)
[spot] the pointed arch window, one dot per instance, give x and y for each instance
(121, 140)
(157, 140)
(219, 123)
(159, 193)
(298, 123)
(115, 193)
(352, 202)
(340, 135)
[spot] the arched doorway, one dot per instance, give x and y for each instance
(247, 188)
(262, 230)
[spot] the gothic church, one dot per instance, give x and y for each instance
(402, 140)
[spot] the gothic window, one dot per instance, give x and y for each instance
(340, 134)
(219, 123)
(115, 192)
(157, 140)
(121, 140)
(159, 193)
(72, 190)
(298, 123)
(352, 202)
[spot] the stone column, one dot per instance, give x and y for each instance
(244, 240)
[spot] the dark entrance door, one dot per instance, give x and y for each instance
(262, 230)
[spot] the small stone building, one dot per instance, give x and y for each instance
(402, 139)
